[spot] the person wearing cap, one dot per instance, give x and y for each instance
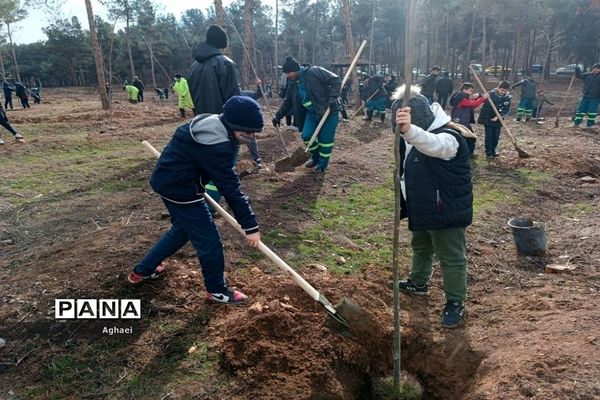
(317, 89)
(140, 87)
(437, 198)
(488, 118)
(182, 90)
(213, 78)
(590, 97)
(528, 90)
(376, 98)
(200, 151)
(428, 84)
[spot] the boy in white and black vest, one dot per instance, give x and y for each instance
(437, 198)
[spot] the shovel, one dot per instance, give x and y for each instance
(522, 153)
(562, 104)
(300, 155)
(350, 311)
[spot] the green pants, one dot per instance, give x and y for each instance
(323, 146)
(450, 246)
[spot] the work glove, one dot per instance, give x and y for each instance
(276, 122)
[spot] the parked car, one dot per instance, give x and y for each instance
(536, 68)
(478, 68)
(568, 69)
(496, 69)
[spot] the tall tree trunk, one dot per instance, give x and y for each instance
(152, 64)
(532, 51)
(350, 49)
(97, 56)
(371, 40)
(447, 60)
(221, 21)
(2, 66)
(467, 60)
(483, 44)
(550, 49)
(128, 40)
(315, 32)
(276, 45)
(248, 9)
(14, 54)
(516, 52)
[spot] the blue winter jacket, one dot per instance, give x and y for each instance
(199, 152)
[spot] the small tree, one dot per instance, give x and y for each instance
(11, 11)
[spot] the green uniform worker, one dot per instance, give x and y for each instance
(132, 93)
(317, 90)
(183, 93)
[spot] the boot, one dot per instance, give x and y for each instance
(369, 116)
(182, 112)
(382, 118)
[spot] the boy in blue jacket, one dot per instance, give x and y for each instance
(200, 151)
(502, 100)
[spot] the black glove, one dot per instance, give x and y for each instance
(276, 122)
(333, 104)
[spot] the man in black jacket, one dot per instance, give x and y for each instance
(140, 87)
(200, 151)
(317, 89)
(213, 78)
(590, 98)
(428, 84)
(444, 88)
(437, 199)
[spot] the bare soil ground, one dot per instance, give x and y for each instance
(77, 213)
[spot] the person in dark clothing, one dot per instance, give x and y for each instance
(377, 98)
(35, 93)
(4, 122)
(317, 90)
(590, 97)
(200, 151)
(22, 93)
(390, 87)
(166, 92)
(253, 145)
(528, 91)
(140, 87)
(213, 78)
(437, 199)
(540, 99)
(7, 89)
(463, 110)
(428, 84)
(502, 100)
(444, 87)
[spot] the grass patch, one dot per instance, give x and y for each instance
(579, 209)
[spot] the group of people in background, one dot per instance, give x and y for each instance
(22, 93)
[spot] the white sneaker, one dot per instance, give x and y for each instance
(18, 136)
(1, 141)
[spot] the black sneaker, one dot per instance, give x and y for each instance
(408, 286)
(453, 314)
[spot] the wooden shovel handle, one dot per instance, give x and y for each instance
(298, 280)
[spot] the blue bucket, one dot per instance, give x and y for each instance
(529, 236)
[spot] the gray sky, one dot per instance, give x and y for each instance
(30, 29)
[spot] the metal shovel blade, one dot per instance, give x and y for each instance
(349, 319)
(287, 164)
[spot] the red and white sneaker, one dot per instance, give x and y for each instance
(134, 278)
(228, 297)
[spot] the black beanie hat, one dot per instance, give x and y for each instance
(420, 112)
(504, 85)
(597, 65)
(290, 65)
(216, 37)
(244, 114)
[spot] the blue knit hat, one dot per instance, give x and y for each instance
(244, 114)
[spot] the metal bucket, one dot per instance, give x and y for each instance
(529, 236)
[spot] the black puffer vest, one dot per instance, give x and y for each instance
(439, 193)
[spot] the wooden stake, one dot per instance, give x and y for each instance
(562, 104)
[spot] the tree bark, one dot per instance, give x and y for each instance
(350, 49)
(248, 9)
(467, 61)
(14, 54)
(371, 40)
(276, 45)
(128, 39)
(97, 56)
(483, 44)
(2, 66)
